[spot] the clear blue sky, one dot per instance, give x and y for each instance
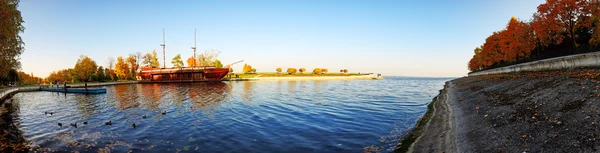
(402, 38)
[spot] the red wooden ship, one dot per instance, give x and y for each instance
(184, 74)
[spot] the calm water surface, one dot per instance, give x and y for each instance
(267, 116)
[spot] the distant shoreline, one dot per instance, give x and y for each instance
(294, 78)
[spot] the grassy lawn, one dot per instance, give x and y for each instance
(298, 74)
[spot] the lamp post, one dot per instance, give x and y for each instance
(194, 48)
(163, 46)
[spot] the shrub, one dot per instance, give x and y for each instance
(317, 71)
(253, 70)
(291, 70)
(323, 70)
(345, 70)
(278, 70)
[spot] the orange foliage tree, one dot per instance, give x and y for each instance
(556, 26)
(190, 61)
(121, 68)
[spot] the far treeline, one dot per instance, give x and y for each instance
(247, 69)
(125, 68)
(558, 28)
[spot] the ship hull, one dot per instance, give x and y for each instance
(186, 74)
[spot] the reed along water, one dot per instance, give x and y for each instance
(263, 116)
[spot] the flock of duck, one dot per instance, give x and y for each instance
(107, 123)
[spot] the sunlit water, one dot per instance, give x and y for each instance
(266, 116)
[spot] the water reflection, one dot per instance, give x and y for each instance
(151, 95)
(127, 96)
(208, 96)
(85, 105)
(247, 95)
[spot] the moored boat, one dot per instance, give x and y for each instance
(75, 90)
(183, 74)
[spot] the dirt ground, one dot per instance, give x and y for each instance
(555, 111)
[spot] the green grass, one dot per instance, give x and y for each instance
(298, 74)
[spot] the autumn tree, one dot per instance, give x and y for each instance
(122, 69)
(301, 70)
(11, 44)
(207, 58)
(154, 60)
(556, 17)
(324, 70)
(291, 70)
(177, 62)
(147, 60)
(85, 68)
(278, 70)
(132, 62)
(111, 63)
(595, 20)
(517, 40)
(247, 69)
(138, 59)
(100, 76)
(190, 62)
(218, 64)
(345, 70)
(317, 71)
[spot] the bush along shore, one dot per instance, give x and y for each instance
(551, 111)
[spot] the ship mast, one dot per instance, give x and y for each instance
(163, 45)
(194, 48)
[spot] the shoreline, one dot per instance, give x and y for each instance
(435, 130)
(550, 111)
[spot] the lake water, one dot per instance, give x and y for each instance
(265, 116)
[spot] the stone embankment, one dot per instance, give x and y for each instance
(559, 63)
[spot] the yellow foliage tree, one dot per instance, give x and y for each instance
(131, 60)
(324, 70)
(176, 61)
(278, 70)
(85, 68)
(247, 68)
(291, 70)
(190, 62)
(121, 68)
(154, 60)
(317, 71)
(302, 70)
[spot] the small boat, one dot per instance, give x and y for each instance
(76, 90)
